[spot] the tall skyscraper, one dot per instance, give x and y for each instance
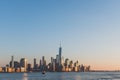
(52, 59)
(66, 62)
(40, 63)
(23, 63)
(60, 54)
(43, 60)
(34, 62)
(57, 59)
(12, 61)
(62, 60)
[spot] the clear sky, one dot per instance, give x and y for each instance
(89, 31)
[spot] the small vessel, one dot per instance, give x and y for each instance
(43, 72)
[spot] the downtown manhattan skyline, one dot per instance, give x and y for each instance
(88, 30)
(57, 64)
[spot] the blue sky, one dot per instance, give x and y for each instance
(88, 30)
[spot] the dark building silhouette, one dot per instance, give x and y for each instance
(12, 61)
(82, 68)
(29, 68)
(43, 60)
(16, 64)
(23, 63)
(60, 54)
(40, 63)
(34, 63)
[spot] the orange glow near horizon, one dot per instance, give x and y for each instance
(105, 67)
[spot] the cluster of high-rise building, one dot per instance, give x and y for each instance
(58, 64)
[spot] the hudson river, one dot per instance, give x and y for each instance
(61, 76)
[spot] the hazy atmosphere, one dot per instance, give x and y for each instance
(89, 31)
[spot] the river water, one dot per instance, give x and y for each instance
(61, 76)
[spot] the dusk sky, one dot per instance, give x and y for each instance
(89, 31)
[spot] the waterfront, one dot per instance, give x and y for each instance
(61, 76)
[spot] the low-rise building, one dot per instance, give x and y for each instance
(17, 70)
(22, 69)
(1, 69)
(75, 69)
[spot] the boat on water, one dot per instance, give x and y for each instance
(43, 72)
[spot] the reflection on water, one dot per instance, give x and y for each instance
(77, 77)
(61, 76)
(25, 76)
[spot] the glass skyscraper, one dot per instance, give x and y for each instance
(60, 54)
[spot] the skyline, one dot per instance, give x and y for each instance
(57, 64)
(89, 30)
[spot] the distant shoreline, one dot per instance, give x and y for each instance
(63, 71)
